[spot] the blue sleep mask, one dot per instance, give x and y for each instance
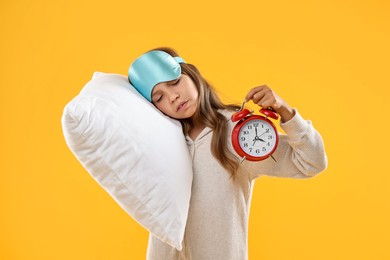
(152, 68)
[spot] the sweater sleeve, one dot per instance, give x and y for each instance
(300, 153)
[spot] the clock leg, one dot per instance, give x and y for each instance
(243, 159)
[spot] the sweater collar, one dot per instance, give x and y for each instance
(207, 130)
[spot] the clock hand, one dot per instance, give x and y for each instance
(254, 141)
(262, 133)
(258, 138)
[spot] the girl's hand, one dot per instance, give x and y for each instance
(266, 97)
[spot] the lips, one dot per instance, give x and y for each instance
(181, 105)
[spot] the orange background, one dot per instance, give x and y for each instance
(330, 59)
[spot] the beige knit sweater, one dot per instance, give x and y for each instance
(217, 225)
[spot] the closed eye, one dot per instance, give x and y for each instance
(159, 98)
(176, 82)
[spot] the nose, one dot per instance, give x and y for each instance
(173, 96)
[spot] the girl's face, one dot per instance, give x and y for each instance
(177, 98)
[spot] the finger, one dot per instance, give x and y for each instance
(253, 91)
(258, 97)
(268, 100)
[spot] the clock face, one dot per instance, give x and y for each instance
(257, 138)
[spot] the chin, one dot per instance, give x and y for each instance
(190, 114)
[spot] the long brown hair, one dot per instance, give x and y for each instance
(209, 103)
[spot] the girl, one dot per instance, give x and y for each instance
(217, 224)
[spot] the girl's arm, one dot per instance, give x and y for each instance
(300, 153)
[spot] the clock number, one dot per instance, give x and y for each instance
(270, 137)
(242, 138)
(263, 149)
(257, 150)
(256, 124)
(245, 144)
(245, 132)
(249, 127)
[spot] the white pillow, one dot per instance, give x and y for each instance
(137, 154)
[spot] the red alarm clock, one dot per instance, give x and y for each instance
(254, 137)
